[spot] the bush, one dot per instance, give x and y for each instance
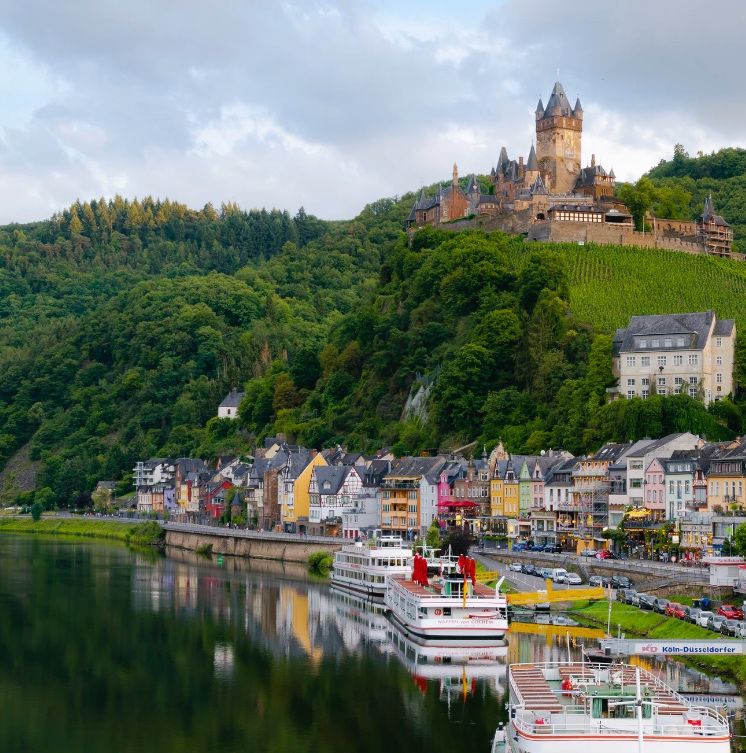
(36, 510)
(320, 563)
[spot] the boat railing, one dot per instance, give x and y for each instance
(577, 723)
(456, 598)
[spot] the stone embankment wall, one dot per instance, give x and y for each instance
(272, 547)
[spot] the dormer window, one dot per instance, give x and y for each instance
(679, 342)
(667, 342)
(643, 343)
(326, 486)
(655, 344)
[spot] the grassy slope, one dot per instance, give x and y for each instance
(639, 622)
(610, 284)
(129, 533)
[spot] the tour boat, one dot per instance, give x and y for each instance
(363, 569)
(556, 707)
(447, 609)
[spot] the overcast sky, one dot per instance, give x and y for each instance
(330, 105)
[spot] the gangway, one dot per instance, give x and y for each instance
(552, 596)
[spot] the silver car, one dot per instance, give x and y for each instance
(715, 622)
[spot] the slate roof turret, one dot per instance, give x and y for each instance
(558, 103)
(532, 163)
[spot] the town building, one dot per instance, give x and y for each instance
(231, 402)
(669, 354)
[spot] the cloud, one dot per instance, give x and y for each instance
(333, 104)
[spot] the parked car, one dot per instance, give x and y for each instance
(605, 554)
(545, 572)
(516, 567)
(729, 627)
(647, 601)
(693, 615)
(715, 622)
(528, 569)
(623, 594)
(673, 609)
(573, 579)
(620, 581)
(633, 598)
(553, 548)
(588, 553)
(559, 575)
(730, 612)
(704, 617)
(660, 605)
(598, 581)
(741, 630)
(519, 547)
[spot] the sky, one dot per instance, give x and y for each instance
(331, 105)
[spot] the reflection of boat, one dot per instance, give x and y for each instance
(448, 609)
(570, 707)
(456, 668)
(363, 570)
(365, 618)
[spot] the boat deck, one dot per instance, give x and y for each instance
(434, 589)
(540, 694)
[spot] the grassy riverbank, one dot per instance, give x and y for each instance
(644, 624)
(146, 533)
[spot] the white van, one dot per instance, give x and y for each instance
(559, 574)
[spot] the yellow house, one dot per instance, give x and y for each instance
(299, 510)
(497, 502)
(726, 481)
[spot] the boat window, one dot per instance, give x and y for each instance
(446, 611)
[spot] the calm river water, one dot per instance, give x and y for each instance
(106, 649)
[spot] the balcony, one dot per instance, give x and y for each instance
(393, 483)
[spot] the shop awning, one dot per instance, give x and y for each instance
(640, 512)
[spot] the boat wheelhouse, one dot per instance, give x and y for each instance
(448, 609)
(574, 707)
(363, 569)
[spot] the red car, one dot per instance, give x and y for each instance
(605, 554)
(675, 610)
(730, 612)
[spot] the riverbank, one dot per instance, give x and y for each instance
(644, 624)
(146, 533)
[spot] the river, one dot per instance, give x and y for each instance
(108, 649)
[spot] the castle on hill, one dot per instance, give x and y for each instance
(551, 197)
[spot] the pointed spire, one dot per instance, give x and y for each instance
(502, 160)
(709, 207)
(532, 163)
(539, 109)
(611, 174)
(577, 110)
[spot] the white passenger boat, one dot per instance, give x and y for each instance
(362, 569)
(576, 708)
(448, 609)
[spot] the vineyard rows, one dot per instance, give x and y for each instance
(608, 284)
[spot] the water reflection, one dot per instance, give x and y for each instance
(105, 649)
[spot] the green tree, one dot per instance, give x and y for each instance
(36, 511)
(739, 539)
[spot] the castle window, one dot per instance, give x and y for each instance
(661, 360)
(693, 380)
(630, 394)
(678, 360)
(719, 361)
(719, 378)
(645, 381)
(661, 381)
(630, 360)
(718, 342)
(645, 393)
(644, 360)
(693, 359)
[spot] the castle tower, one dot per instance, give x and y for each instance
(532, 167)
(559, 129)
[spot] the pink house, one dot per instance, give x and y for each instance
(655, 489)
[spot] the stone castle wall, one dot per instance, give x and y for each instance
(603, 234)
